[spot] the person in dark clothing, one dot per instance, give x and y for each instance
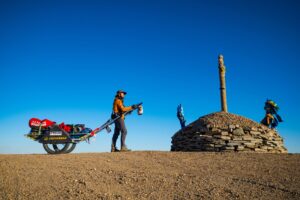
(118, 110)
(271, 118)
(180, 115)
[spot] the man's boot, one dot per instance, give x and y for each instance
(114, 148)
(125, 149)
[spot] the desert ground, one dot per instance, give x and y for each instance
(150, 175)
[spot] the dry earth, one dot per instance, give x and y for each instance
(150, 175)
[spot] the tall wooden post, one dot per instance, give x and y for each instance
(222, 71)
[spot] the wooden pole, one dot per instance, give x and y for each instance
(222, 71)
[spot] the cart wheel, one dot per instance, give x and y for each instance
(69, 150)
(56, 148)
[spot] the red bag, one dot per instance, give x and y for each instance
(47, 122)
(34, 122)
(38, 122)
(65, 127)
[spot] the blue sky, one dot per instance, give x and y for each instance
(64, 60)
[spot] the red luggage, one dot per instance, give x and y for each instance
(37, 122)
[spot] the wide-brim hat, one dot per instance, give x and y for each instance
(121, 91)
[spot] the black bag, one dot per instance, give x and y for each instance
(114, 116)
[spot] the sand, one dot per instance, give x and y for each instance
(150, 175)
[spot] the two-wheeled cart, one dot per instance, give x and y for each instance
(56, 139)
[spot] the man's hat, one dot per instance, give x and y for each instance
(121, 91)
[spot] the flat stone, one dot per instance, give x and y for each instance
(237, 138)
(224, 133)
(238, 132)
(233, 144)
(259, 150)
(232, 126)
(203, 129)
(216, 130)
(275, 142)
(240, 148)
(208, 145)
(221, 142)
(223, 137)
(278, 139)
(250, 145)
(253, 128)
(257, 140)
(255, 132)
(206, 137)
(219, 145)
(228, 148)
(247, 137)
(247, 128)
(264, 137)
(209, 149)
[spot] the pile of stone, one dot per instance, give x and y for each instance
(222, 131)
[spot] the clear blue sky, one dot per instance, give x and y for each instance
(64, 60)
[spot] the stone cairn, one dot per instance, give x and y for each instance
(222, 131)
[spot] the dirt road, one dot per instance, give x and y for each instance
(150, 175)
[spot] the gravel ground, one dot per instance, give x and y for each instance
(150, 175)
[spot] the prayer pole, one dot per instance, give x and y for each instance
(222, 71)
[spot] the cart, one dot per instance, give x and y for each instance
(56, 140)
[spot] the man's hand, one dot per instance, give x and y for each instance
(134, 106)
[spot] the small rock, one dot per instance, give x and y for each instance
(238, 132)
(232, 126)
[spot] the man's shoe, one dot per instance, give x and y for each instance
(125, 149)
(114, 149)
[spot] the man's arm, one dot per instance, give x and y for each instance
(122, 107)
